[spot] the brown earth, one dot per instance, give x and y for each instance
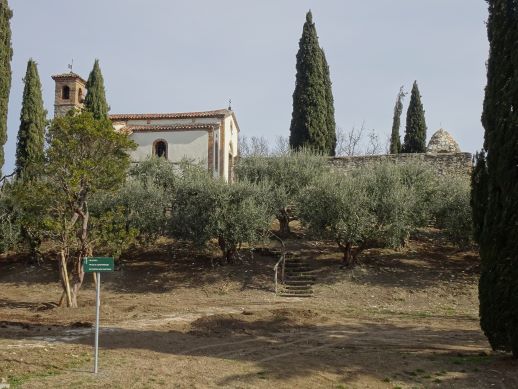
(405, 319)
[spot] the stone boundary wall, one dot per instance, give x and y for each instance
(443, 163)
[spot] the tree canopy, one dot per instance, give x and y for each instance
(6, 54)
(95, 100)
(31, 135)
(312, 123)
(395, 139)
(498, 288)
(415, 135)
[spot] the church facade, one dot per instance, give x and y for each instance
(207, 137)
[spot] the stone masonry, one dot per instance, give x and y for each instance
(442, 163)
(442, 142)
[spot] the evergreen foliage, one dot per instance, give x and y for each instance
(288, 174)
(95, 100)
(330, 104)
(206, 208)
(395, 140)
(312, 123)
(415, 135)
(6, 54)
(498, 287)
(85, 157)
(479, 194)
(31, 135)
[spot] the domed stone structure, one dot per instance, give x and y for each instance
(442, 142)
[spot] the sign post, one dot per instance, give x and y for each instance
(97, 265)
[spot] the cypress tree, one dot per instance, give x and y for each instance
(498, 286)
(415, 135)
(479, 195)
(330, 102)
(395, 140)
(311, 113)
(31, 135)
(95, 100)
(6, 54)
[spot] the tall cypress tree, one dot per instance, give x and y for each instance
(498, 286)
(479, 195)
(95, 100)
(415, 135)
(330, 102)
(395, 140)
(31, 135)
(311, 111)
(6, 54)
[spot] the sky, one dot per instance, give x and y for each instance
(177, 56)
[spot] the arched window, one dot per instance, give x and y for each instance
(65, 92)
(80, 95)
(160, 148)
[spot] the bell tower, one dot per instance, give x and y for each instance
(70, 93)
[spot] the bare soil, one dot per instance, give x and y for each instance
(406, 319)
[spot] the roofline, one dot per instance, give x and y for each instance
(220, 113)
(70, 75)
(235, 121)
(179, 127)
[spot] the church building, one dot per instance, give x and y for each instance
(206, 137)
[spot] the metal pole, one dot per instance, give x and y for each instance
(97, 305)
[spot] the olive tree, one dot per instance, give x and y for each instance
(287, 174)
(452, 209)
(206, 208)
(85, 156)
(9, 226)
(338, 207)
(141, 202)
(378, 204)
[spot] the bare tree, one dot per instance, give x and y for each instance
(282, 145)
(373, 146)
(348, 142)
(254, 146)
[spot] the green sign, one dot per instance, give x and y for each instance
(98, 264)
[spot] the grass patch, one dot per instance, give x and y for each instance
(470, 359)
(17, 380)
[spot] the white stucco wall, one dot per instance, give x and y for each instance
(180, 144)
(231, 138)
(167, 122)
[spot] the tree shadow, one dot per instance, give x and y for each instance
(429, 259)
(32, 306)
(156, 270)
(286, 345)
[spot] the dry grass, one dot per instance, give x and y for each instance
(401, 319)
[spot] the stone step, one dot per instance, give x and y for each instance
(297, 287)
(297, 270)
(296, 293)
(298, 282)
(300, 268)
(299, 276)
(297, 266)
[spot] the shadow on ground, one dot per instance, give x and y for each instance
(285, 344)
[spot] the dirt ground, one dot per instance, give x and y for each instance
(401, 319)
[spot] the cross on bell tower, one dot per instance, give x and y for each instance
(70, 92)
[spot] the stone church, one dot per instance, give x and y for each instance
(207, 137)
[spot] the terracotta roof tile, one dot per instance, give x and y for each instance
(68, 75)
(177, 127)
(179, 115)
